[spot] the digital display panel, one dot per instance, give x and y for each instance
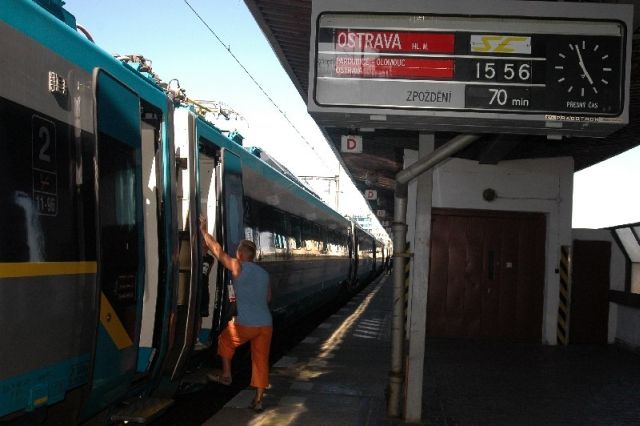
(516, 65)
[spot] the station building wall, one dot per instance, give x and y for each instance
(624, 321)
(535, 185)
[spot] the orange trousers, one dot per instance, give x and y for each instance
(260, 337)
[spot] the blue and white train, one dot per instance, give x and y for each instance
(103, 175)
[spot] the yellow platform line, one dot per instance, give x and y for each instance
(112, 324)
(41, 269)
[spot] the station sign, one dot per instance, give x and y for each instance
(351, 144)
(370, 194)
(527, 67)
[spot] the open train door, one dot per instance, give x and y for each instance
(120, 241)
(353, 258)
(184, 314)
(210, 202)
(221, 198)
(232, 213)
(199, 164)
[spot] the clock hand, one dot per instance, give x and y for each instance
(581, 62)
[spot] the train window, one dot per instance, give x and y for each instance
(324, 240)
(271, 226)
(233, 200)
(41, 191)
(208, 189)
(117, 184)
(295, 237)
(309, 235)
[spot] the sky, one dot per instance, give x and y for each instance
(180, 46)
(606, 194)
(168, 33)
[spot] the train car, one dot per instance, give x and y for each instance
(365, 255)
(301, 242)
(87, 242)
(380, 256)
(104, 175)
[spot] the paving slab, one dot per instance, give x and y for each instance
(338, 376)
(335, 376)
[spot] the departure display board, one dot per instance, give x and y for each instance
(551, 66)
(532, 67)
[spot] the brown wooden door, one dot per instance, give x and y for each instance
(589, 292)
(487, 275)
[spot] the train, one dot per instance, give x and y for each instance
(104, 173)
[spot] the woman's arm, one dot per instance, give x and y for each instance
(231, 263)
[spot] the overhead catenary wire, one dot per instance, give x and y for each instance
(264, 92)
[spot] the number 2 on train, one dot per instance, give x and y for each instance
(43, 133)
(44, 144)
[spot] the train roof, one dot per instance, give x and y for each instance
(267, 158)
(367, 233)
(58, 36)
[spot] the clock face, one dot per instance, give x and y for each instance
(584, 74)
(584, 67)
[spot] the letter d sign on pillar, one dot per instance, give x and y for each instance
(351, 144)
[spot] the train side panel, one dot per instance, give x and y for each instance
(308, 263)
(48, 291)
(51, 222)
(302, 243)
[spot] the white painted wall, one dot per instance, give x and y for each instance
(538, 185)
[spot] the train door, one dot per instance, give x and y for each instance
(120, 240)
(185, 298)
(155, 241)
(353, 256)
(227, 171)
(375, 257)
(209, 194)
(232, 215)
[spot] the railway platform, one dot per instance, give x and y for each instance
(336, 376)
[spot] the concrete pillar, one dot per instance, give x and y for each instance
(419, 284)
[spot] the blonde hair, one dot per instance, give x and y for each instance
(247, 247)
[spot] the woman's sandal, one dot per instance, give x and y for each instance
(256, 406)
(219, 378)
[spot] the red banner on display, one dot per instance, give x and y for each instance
(394, 67)
(393, 41)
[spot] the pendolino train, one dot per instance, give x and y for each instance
(103, 175)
